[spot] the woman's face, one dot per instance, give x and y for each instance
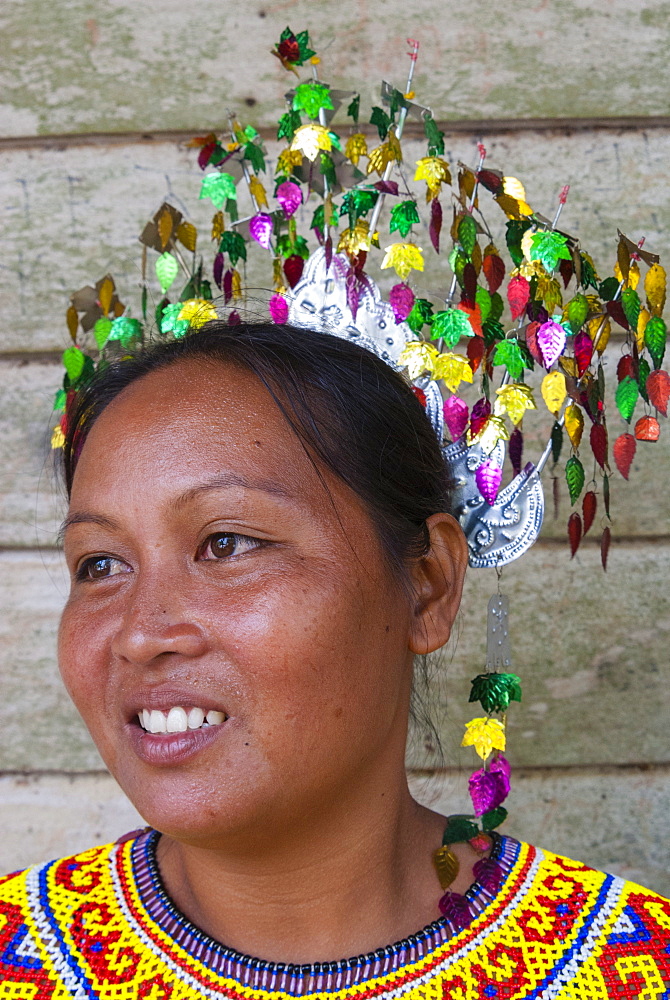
(213, 572)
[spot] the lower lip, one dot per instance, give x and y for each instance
(168, 749)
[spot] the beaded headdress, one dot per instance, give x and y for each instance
(516, 322)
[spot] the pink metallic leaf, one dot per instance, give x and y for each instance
(278, 307)
(488, 789)
(488, 478)
(401, 298)
(261, 227)
(289, 196)
(551, 339)
(456, 415)
(583, 352)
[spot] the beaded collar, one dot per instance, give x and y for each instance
(297, 980)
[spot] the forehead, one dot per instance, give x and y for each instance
(188, 420)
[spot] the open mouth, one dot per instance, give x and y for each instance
(178, 719)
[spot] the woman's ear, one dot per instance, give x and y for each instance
(437, 578)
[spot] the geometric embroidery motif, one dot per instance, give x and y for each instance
(105, 929)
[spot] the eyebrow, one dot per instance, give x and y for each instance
(232, 479)
(85, 517)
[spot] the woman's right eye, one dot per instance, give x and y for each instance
(99, 568)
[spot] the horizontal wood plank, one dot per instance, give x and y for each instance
(77, 66)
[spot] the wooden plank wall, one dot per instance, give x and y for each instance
(96, 100)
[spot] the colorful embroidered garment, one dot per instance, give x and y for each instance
(100, 925)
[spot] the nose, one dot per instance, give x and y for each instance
(156, 623)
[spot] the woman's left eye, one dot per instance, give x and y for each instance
(224, 544)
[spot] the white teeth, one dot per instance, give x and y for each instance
(177, 721)
(196, 717)
(157, 722)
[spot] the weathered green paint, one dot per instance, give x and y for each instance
(83, 65)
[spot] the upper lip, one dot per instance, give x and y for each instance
(164, 698)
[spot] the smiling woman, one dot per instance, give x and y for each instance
(258, 549)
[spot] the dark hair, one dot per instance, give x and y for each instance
(350, 409)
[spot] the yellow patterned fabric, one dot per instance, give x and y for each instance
(100, 925)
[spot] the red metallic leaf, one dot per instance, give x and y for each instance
(205, 153)
(469, 296)
(476, 348)
(566, 269)
(615, 310)
(647, 429)
(420, 395)
(605, 546)
(658, 390)
(491, 180)
(583, 352)
(518, 293)
(625, 367)
(293, 268)
(435, 227)
(598, 439)
(532, 344)
(386, 187)
(494, 271)
(624, 453)
(481, 412)
(516, 450)
(589, 507)
(574, 532)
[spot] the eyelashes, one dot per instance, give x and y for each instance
(219, 546)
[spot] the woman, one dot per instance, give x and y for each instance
(258, 550)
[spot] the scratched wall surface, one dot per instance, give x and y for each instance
(96, 101)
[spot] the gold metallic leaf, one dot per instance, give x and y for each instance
(381, 156)
(403, 257)
(514, 399)
(105, 295)
(218, 226)
(574, 424)
(197, 312)
(549, 292)
(569, 366)
(527, 243)
(554, 391)
(258, 192)
(453, 369)
(311, 139)
(434, 171)
(642, 321)
(57, 437)
(287, 160)
(599, 329)
(514, 188)
(512, 207)
(419, 357)
(494, 430)
(72, 321)
(354, 240)
(633, 279)
(485, 735)
(446, 865)
(655, 284)
(236, 284)
(187, 235)
(165, 224)
(357, 146)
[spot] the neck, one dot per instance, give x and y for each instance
(353, 878)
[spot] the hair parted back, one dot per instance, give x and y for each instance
(350, 409)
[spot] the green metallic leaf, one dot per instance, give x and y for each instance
(421, 314)
(655, 337)
(493, 818)
(515, 230)
(126, 330)
(626, 397)
(288, 124)
(556, 441)
(549, 247)
(382, 121)
(608, 289)
(404, 215)
(630, 301)
(101, 331)
(354, 108)
(60, 399)
(578, 310)
(483, 300)
(254, 154)
(450, 325)
(574, 476)
(643, 372)
(73, 359)
(508, 353)
(434, 136)
(493, 331)
(497, 306)
(467, 234)
(218, 187)
(357, 203)
(312, 97)
(169, 317)
(233, 244)
(589, 279)
(302, 38)
(495, 691)
(167, 270)
(459, 829)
